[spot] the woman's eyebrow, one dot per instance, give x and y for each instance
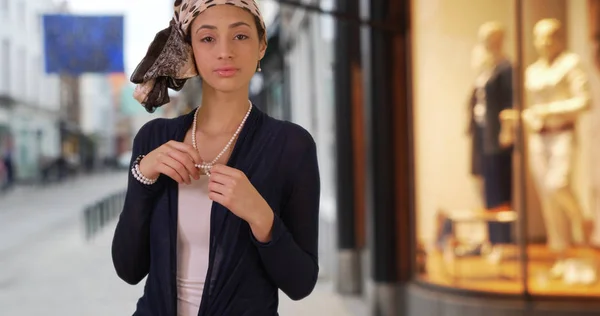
(232, 25)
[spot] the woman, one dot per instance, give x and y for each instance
(222, 203)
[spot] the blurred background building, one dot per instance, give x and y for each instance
(30, 106)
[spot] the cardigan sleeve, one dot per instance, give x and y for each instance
(291, 257)
(131, 241)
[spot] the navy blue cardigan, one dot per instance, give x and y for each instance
(244, 275)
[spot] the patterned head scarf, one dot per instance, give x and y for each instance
(169, 61)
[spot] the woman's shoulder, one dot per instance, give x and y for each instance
(296, 147)
(159, 130)
(295, 137)
(151, 126)
(159, 125)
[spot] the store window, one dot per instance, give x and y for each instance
(505, 98)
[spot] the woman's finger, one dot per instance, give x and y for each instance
(226, 170)
(188, 149)
(185, 160)
(219, 188)
(175, 165)
(169, 172)
(219, 198)
(221, 178)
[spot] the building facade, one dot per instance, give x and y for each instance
(29, 110)
(303, 92)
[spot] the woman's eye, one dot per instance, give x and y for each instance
(207, 39)
(241, 37)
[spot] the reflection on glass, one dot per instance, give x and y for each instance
(464, 182)
(463, 79)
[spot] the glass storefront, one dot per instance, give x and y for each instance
(506, 97)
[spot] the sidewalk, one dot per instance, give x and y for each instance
(28, 213)
(66, 276)
(58, 273)
(323, 301)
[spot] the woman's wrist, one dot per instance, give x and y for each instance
(262, 225)
(145, 169)
(140, 176)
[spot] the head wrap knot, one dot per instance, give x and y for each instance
(169, 61)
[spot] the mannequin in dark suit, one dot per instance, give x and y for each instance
(492, 93)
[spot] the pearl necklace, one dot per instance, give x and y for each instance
(206, 166)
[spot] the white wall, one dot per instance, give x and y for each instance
(587, 177)
(578, 42)
(301, 85)
(98, 111)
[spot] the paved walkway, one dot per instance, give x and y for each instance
(28, 213)
(57, 272)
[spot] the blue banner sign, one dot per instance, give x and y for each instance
(83, 44)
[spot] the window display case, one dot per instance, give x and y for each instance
(506, 97)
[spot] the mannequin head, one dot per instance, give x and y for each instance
(490, 48)
(491, 37)
(548, 38)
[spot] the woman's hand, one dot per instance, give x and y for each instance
(231, 188)
(174, 159)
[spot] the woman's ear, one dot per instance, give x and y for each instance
(262, 49)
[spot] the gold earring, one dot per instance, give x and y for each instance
(258, 68)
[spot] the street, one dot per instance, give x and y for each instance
(48, 268)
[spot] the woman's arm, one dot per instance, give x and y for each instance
(291, 256)
(131, 242)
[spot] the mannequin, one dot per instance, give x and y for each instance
(492, 158)
(557, 92)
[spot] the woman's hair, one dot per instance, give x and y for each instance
(259, 28)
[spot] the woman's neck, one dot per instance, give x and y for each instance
(221, 112)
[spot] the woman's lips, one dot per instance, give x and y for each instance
(226, 71)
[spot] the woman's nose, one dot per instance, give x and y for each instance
(225, 49)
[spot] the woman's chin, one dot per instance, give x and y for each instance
(227, 85)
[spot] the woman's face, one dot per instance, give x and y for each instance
(226, 47)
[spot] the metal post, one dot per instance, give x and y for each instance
(87, 216)
(349, 277)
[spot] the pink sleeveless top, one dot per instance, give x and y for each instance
(193, 235)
